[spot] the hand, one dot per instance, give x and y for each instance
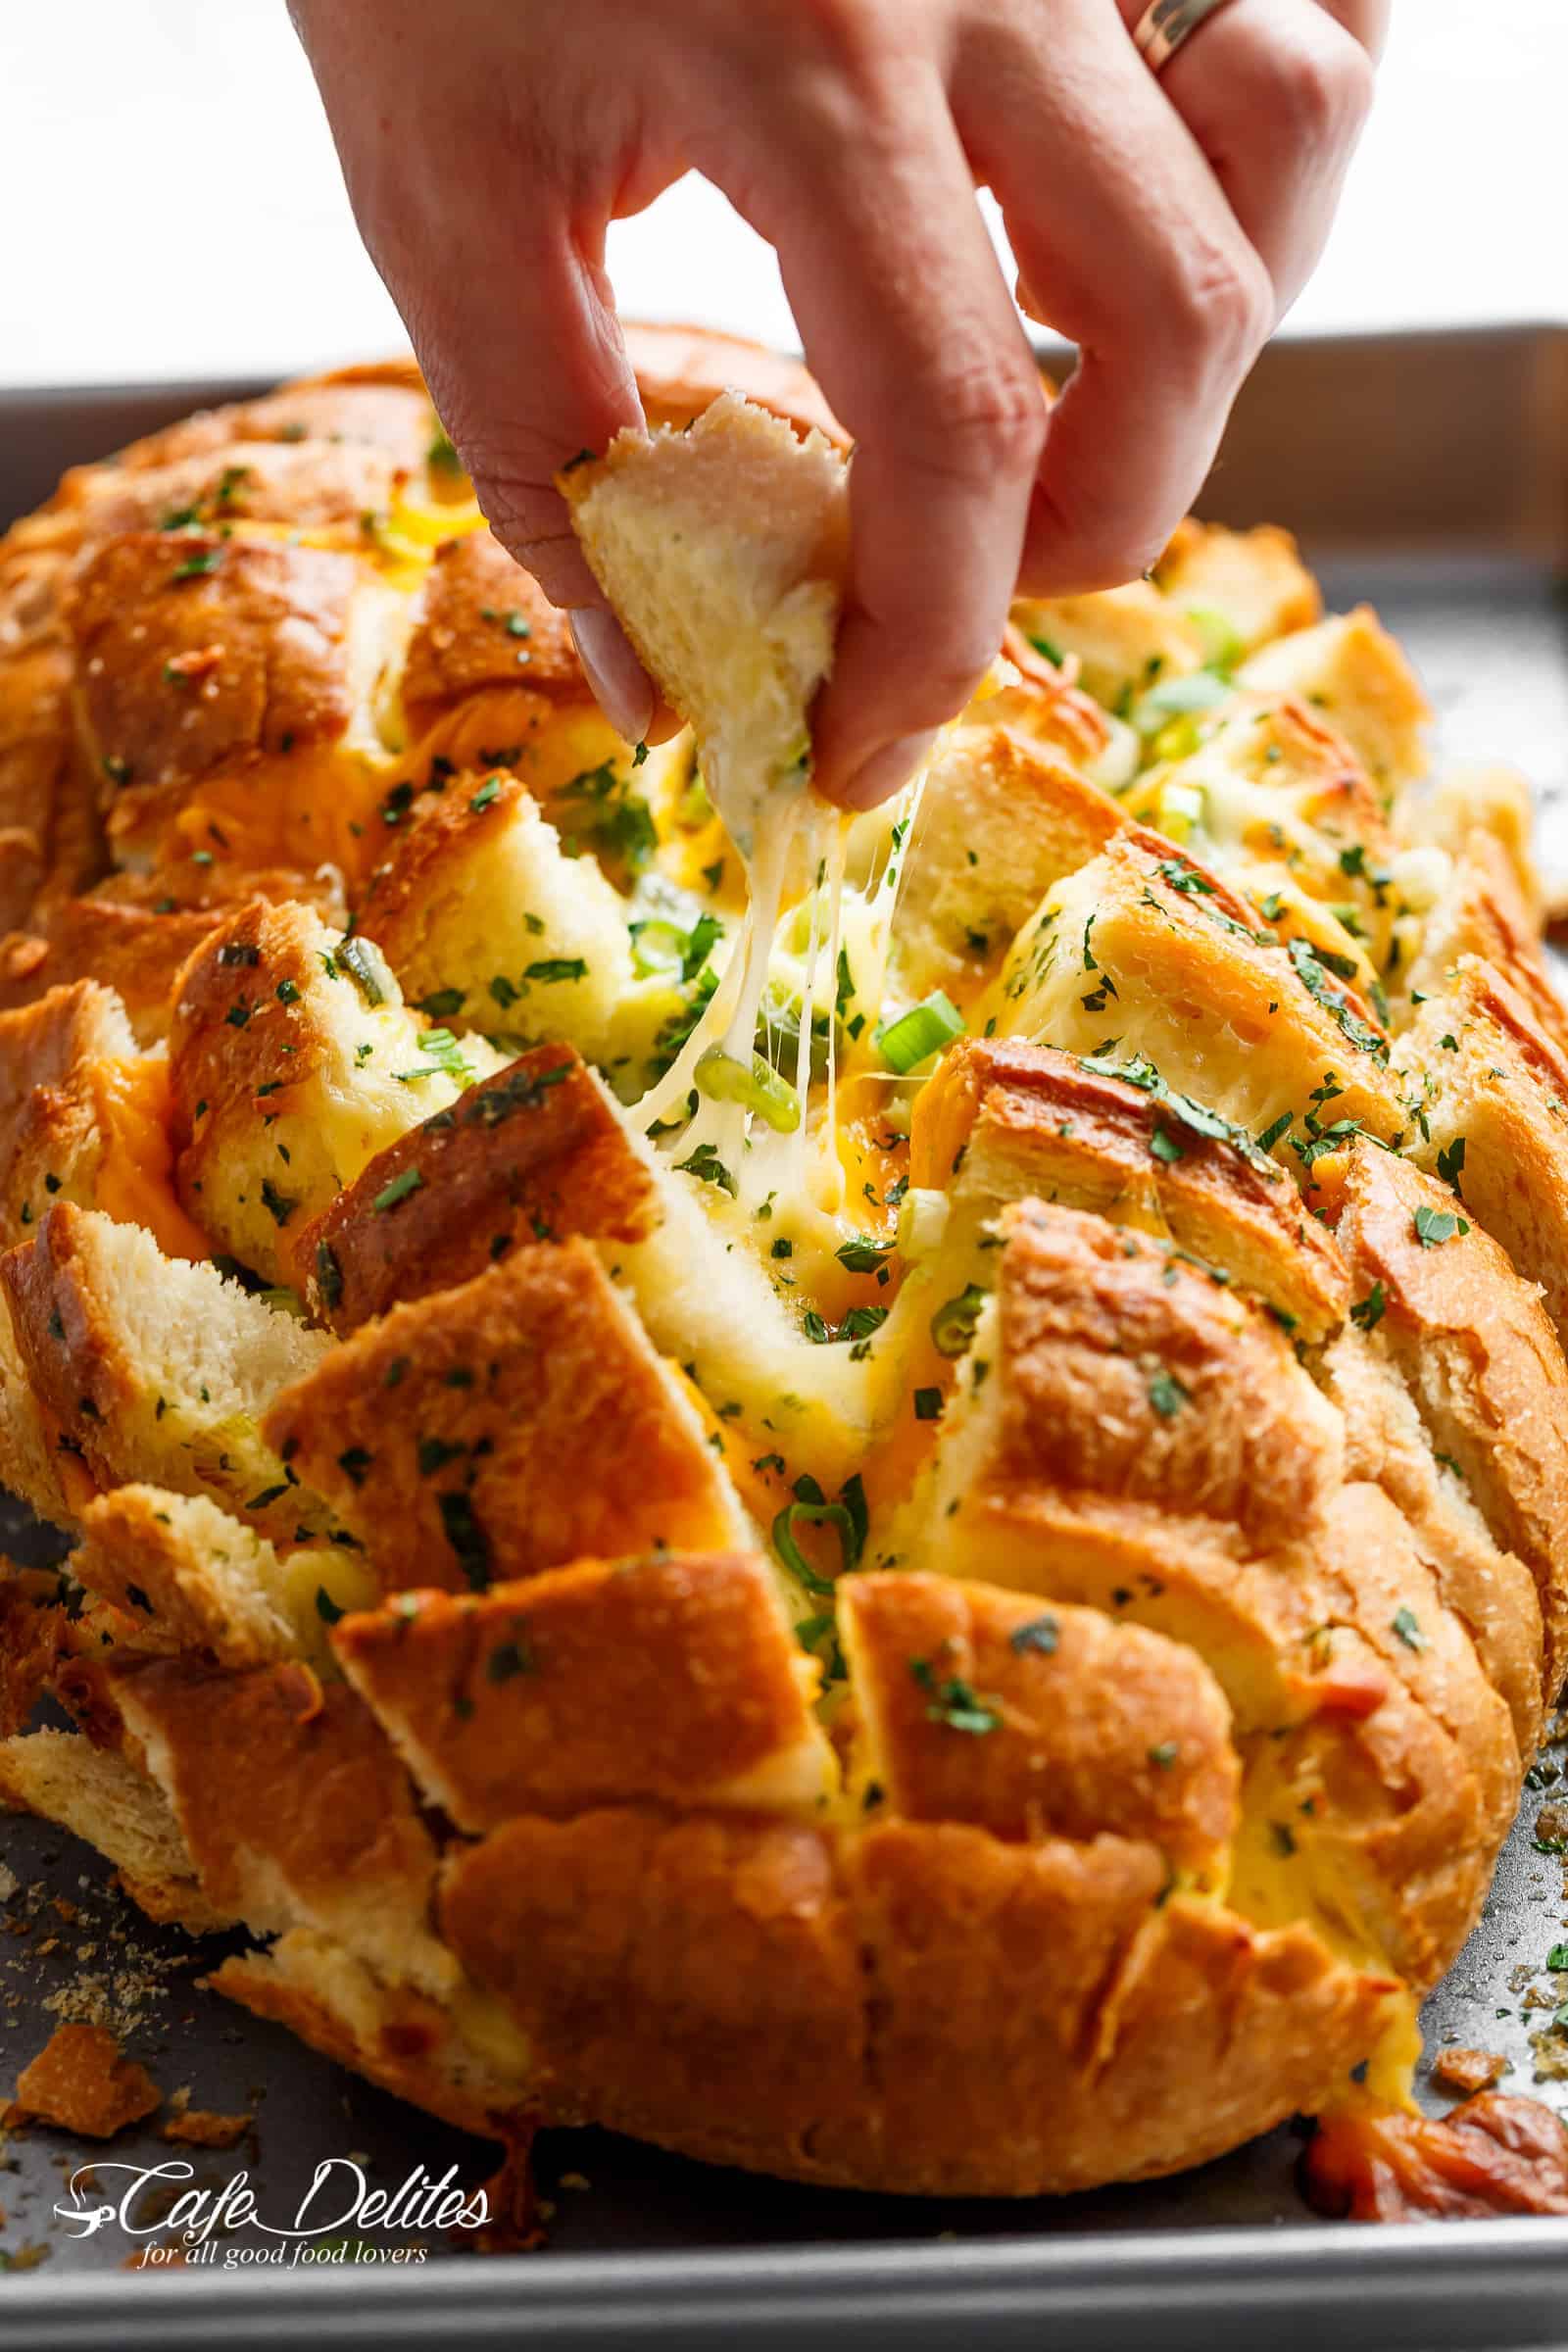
(1163, 225)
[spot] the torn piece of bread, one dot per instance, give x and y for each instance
(145, 1367)
(721, 549)
(103, 1797)
(191, 1577)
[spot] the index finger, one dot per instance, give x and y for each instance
(908, 325)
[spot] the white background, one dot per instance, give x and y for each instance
(172, 204)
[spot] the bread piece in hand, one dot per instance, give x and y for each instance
(145, 1367)
(507, 1427)
(721, 549)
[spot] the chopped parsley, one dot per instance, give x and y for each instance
(1041, 1635)
(1407, 1626)
(410, 1181)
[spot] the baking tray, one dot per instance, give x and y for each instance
(1429, 474)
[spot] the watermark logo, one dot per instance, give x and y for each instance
(341, 2218)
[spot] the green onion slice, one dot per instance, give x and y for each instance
(920, 1032)
(755, 1084)
(953, 1325)
(813, 1514)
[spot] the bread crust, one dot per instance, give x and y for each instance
(339, 1845)
(514, 1424)
(873, 2005)
(534, 1154)
(659, 1680)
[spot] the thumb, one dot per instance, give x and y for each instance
(522, 383)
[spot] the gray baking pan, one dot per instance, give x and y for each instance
(1430, 475)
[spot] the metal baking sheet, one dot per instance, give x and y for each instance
(1430, 476)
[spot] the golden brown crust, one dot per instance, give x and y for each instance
(979, 1706)
(1134, 1374)
(670, 1680)
(505, 1427)
(1160, 951)
(216, 692)
(919, 2008)
(51, 841)
(1478, 1356)
(482, 621)
(50, 1134)
(533, 1154)
(151, 1554)
(339, 1844)
(32, 1627)
(133, 934)
(1029, 1120)
(680, 369)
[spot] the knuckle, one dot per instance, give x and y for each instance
(1220, 306)
(1322, 93)
(985, 416)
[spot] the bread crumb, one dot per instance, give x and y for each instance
(83, 2082)
(1468, 2070)
(199, 2128)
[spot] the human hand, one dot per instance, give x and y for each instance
(1163, 225)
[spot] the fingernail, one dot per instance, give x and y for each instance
(620, 683)
(887, 771)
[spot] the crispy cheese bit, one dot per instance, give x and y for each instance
(82, 2081)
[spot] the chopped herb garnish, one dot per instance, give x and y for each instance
(1041, 1635)
(1407, 1626)
(410, 1181)
(1437, 1225)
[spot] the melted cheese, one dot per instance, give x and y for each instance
(135, 1182)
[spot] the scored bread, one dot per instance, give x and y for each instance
(955, 1601)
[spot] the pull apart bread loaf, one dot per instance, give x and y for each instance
(882, 1498)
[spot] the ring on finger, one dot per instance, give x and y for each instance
(1165, 24)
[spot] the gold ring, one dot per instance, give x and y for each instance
(1163, 26)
